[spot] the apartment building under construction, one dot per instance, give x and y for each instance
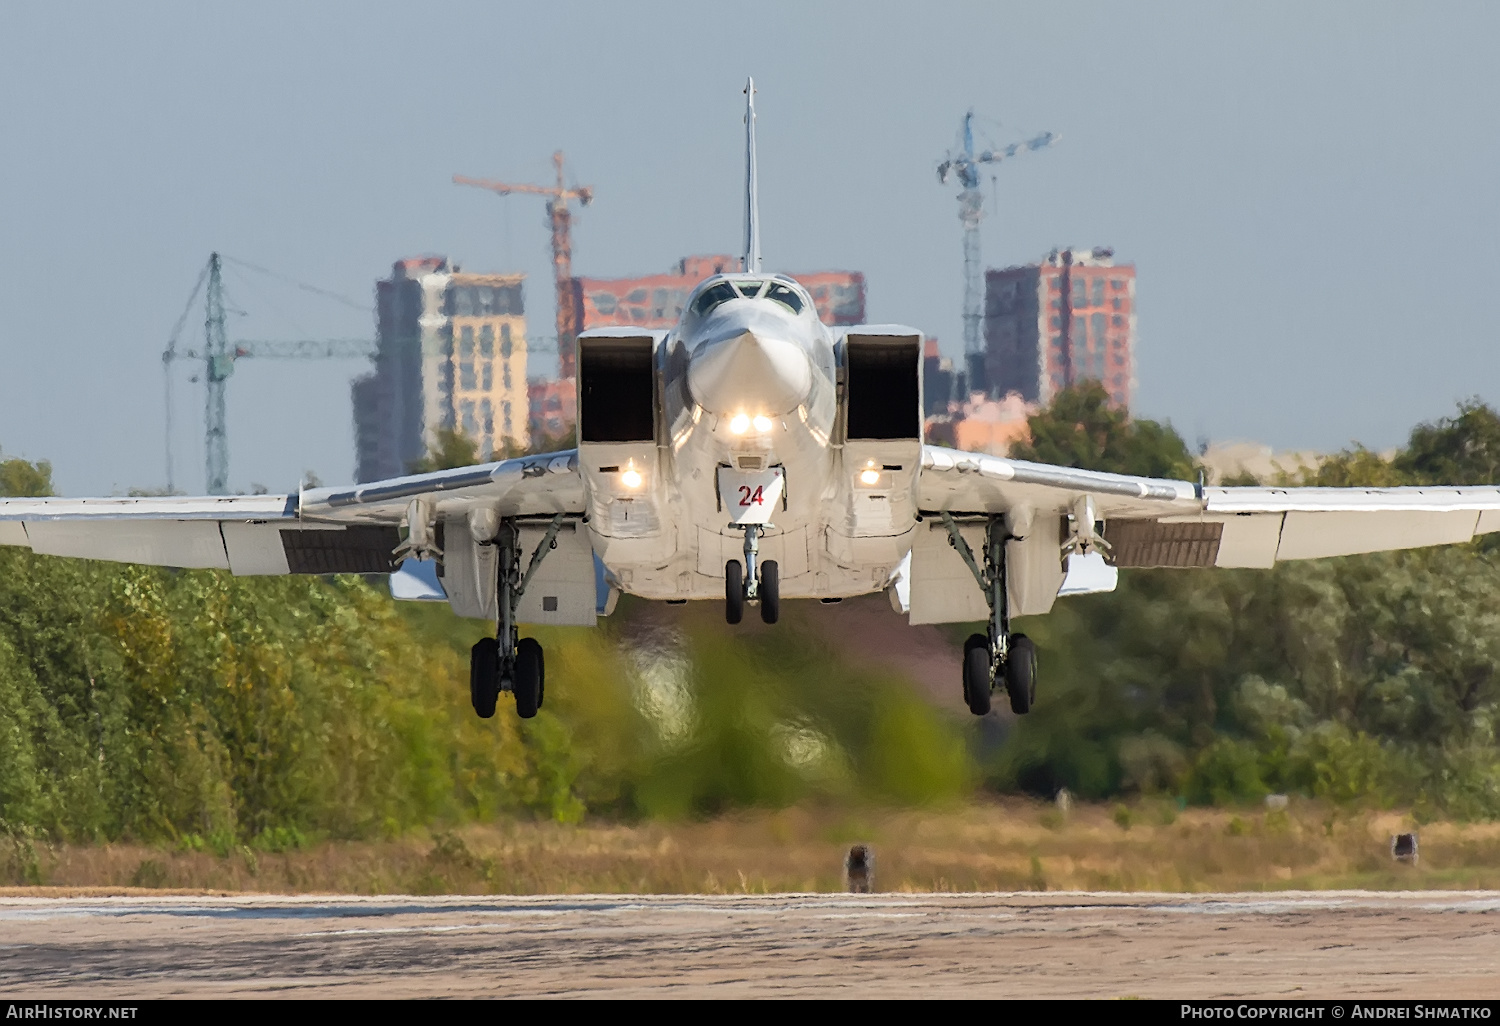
(451, 354)
(1065, 319)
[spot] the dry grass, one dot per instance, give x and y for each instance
(1005, 845)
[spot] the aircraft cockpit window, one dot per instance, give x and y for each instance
(712, 297)
(786, 296)
(750, 289)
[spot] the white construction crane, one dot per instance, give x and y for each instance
(963, 163)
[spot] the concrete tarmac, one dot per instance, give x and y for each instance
(1279, 945)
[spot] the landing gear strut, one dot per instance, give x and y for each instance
(506, 662)
(999, 658)
(742, 584)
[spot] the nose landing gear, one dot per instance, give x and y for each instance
(742, 584)
(999, 658)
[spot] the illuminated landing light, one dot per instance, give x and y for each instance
(632, 477)
(739, 424)
(763, 424)
(869, 477)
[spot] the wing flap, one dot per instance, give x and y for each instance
(254, 550)
(189, 544)
(1312, 535)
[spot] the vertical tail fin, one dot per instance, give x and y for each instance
(751, 260)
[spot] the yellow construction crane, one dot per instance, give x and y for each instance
(561, 217)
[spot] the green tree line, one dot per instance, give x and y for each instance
(199, 708)
(196, 707)
(1363, 678)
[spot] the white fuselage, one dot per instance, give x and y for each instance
(747, 388)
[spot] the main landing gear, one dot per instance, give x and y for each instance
(505, 662)
(742, 584)
(999, 658)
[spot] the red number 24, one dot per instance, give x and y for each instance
(748, 498)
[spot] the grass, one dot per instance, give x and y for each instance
(1002, 845)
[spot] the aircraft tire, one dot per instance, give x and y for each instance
(770, 591)
(734, 591)
(528, 677)
(1020, 674)
(977, 674)
(484, 676)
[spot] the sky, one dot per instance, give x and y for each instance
(1307, 191)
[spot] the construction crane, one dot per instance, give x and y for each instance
(964, 164)
(561, 218)
(219, 355)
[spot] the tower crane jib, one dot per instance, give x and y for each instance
(964, 164)
(560, 218)
(218, 357)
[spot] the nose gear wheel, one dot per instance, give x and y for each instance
(770, 591)
(734, 592)
(749, 582)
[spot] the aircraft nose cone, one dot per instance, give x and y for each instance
(750, 373)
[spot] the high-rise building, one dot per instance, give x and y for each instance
(451, 354)
(1067, 319)
(937, 380)
(554, 406)
(656, 301)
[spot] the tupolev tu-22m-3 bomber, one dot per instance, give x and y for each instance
(752, 454)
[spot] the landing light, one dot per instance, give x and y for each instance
(762, 424)
(739, 424)
(631, 478)
(869, 477)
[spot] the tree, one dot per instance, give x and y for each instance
(450, 448)
(19, 478)
(1460, 450)
(1081, 429)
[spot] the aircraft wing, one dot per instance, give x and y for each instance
(352, 529)
(1155, 522)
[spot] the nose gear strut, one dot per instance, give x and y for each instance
(1000, 657)
(743, 584)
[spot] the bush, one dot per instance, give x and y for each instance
(1227, 772)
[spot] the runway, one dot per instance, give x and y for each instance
(1298, 944)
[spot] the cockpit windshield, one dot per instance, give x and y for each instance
(786, 296)
(712, 297)
(722, 292)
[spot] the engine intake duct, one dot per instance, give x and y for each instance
(883, 385)
(616, 388)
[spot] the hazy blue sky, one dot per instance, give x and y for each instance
(1306, 189)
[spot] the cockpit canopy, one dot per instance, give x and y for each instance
(723, 291)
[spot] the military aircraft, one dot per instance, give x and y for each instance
(752, 454)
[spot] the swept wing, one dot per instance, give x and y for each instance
(353, 529)
(1157, 522)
